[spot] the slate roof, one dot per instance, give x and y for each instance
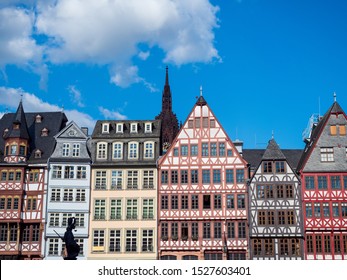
(19, 119)
(273, 152)
(53, 121)
(255, 156)
(316, 132)
(126, 134)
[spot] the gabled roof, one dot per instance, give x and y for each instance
(52, 121)
(316, 132)
(273, 152)
(200, 102)
(255, 156)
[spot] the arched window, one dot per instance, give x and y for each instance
(117, 150)
(133, 150)
(149, 150)
(101, 150)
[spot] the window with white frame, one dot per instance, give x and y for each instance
(80, 195)
(118, 150)
(131, 240)
(76, 150)
(69, 172)
(133, 127)
(101, 151)
(133, 150)
(66, 217)
(149, 150)
(131, 209)
(98, 240)
(53, 247)
(116, 179)
(55, 194)
(115, 240)
(105, 127)
(148, 127)
(119, 128)
(80, 220)
(66, 149)
(99, 209)
(53, 219)
(148, 208)
(132, 182)
(57, 172)
(68, 195)
(81, 172)
(148, 179)
(116, 209)
(147, 240)
(100, 180)
(327, 154)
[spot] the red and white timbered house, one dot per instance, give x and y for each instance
(323, 171)
(202, 192)
(25, 146)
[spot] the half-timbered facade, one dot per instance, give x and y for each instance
(202, 193)
(275, 219)
(323, 171)
(26, 144)
(123, 201)
(68, 192)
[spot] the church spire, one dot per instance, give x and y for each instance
(169, 122)
(167, 99)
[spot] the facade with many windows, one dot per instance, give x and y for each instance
(275, 225)
(25, 146)
(123, 207)
(323, 171)
(68, 190)
(202, 193)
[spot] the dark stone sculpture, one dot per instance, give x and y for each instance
(71, 246)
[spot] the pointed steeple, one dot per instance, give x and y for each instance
(169, 122)
(201, 100)
(167, 98)
(273, 151)
(19, 127)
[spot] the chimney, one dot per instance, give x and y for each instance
(85, 130)
(238, 145)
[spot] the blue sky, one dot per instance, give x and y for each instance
(265, 65)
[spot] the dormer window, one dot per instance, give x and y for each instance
(5, 132)
(148, 127)
(38, 119)
(133, 127)
(119, 128)
(38, 153)
(44, 132)
(105, 128)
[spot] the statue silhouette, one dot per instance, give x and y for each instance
(71, 246)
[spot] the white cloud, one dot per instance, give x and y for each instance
(17, 47)
(108, 114)
(144, 55)
(108, 32)
(10, 97)
(75, 95)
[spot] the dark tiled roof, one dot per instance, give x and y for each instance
(255, 156)
(19, 119)
(112, 134)
(316, 132)
(52, 121)
(273, 151)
